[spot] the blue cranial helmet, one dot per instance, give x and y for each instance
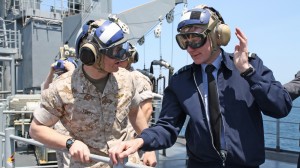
(100, 36)
(196, 16)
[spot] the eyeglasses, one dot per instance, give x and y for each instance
(119, 52)
(194, 40)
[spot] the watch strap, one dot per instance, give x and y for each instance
(248, 72)
(69, 143)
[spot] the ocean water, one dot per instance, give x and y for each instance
(289, 130)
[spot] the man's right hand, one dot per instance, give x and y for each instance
(80, 152)
(118, 152)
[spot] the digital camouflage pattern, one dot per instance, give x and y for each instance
(143, 86)
(63, 158)
(97, 119)
(144, 89)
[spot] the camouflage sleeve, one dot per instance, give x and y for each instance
(136, 99)
(50, 108)
(143, 86)
(44, 117)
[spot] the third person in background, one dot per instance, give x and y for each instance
(293, 87)
(144, 88)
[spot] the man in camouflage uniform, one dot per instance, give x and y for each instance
(65, 64)
(94, 102)
(144, 88)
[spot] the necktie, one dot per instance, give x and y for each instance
(213, 107)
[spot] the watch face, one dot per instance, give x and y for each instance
(69, 143)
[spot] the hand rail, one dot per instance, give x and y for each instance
(10, 150)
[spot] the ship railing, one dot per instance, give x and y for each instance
(55, 6)
(283, 140)
(21, 122)
(62, 7)
(10, 38)
(157, 107)
(9, 151)
(277, 133)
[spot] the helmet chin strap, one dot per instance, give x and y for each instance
(213, 45)
(100, 64)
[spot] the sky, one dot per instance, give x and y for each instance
(272, 29)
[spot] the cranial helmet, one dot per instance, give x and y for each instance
(212, 22)
(101, 37)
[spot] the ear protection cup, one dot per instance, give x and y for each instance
(85, 52)
(221, 34)
(135, 57)
(88, 53)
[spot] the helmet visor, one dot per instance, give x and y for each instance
(119, 52)
(194, 40)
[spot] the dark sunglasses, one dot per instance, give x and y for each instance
(194, 40)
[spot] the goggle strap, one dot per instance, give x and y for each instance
(214, 24)
(91, 35)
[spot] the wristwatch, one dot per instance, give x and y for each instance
(69, 143)
(248, 72)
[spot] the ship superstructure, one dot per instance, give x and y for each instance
(31, 33)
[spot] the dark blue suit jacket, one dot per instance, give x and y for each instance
(242, 102)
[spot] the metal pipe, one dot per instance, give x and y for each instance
(23, 124)
(2, 77)
(5, 59)
(17, 112)
(62, 8)
(13, 75)
(164, 81)
(9, 148)
(92, 156)
(8, 92)
(34, 3)
(1, 147)
(278, 135)
(1, 119)
(1, 135)
(3, 9)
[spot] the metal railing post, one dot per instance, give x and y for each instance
(9, 148)
(1, 119)
(278, 135)
(2, 131)
(157, 103)
(1, 151)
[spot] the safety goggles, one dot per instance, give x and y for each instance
(119, 52)
(194, 40)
